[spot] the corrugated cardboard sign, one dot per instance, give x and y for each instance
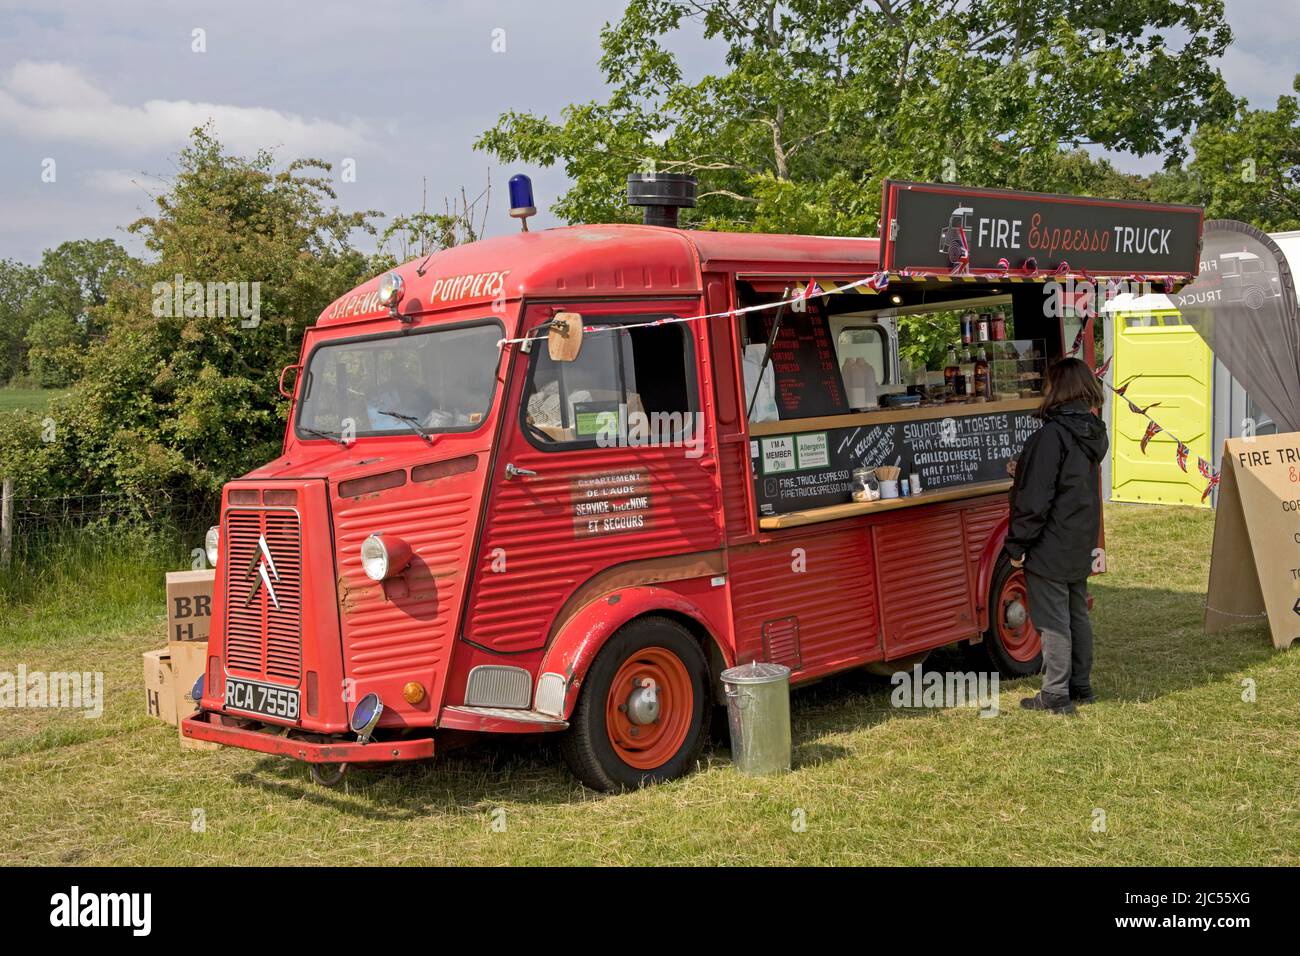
(1255, 565)
(189, 605)
(188, 661)
(159, 686)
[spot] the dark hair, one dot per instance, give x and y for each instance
(1070, 380)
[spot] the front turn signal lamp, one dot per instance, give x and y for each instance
(413, 692)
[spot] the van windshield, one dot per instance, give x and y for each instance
(436, 380)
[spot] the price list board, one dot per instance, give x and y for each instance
(814, 469)
(804, 369)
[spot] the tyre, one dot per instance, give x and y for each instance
(1011, 645)
(641, 716)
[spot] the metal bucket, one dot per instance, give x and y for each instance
(758, 714)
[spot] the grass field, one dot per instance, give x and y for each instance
(19, 399)
(1184, 770)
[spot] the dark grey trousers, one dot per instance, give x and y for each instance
(1060, 612)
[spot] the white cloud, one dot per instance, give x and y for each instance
(125, 182)
(56, 101)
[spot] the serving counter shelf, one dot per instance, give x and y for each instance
(851, 509)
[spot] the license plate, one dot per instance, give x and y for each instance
(269, 700)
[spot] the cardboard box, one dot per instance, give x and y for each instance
(159, 686)
(189, 605)
(189, 659)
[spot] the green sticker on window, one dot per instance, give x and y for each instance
(592, 418)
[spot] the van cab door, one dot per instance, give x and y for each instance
(602, 461)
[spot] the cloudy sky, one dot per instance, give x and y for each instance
(109, 89)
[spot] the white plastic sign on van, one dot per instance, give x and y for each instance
(1255, 565)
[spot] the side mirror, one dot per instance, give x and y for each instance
(564, 340)
(287, 391)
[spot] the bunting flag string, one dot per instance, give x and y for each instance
(1123, 386)
(1214, 483)
(1182, 452)
(800, 297)
(1083, 333)
(1152, 430)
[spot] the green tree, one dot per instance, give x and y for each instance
(182, 402)
(1246, 167)
(73, 284)
(821, 99)
(17, 284)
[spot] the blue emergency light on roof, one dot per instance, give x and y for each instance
(521, 198)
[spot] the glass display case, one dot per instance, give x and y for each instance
(1016, 368)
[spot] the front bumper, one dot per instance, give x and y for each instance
(205, 725)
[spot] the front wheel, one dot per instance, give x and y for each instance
(1011, 645)
(641, 715)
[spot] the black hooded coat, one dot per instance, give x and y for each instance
(1056, 496)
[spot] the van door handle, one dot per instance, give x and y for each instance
(512, 472)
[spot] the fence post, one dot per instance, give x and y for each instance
(6, 522)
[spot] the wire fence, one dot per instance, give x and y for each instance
(40, 528)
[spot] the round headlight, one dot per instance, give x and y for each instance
(383, 556)
(390, 289)
(210, 542)
(374, 558)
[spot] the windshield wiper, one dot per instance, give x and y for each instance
(332, 436)
(410, 420)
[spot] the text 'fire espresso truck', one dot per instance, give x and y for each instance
(557, 481)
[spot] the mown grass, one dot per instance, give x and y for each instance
(1184, 770)
(27, 399)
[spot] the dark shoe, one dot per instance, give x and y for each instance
(1050, 704)
(1084, 696)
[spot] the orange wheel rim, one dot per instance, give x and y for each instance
(1021, 641)
(645, 746)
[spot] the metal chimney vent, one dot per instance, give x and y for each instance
(660, 195)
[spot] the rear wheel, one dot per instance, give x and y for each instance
(1011, 645)
(641, 715)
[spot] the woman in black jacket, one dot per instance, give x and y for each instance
(1055, 524)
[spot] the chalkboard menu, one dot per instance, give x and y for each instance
(807, 377)
(814, 469)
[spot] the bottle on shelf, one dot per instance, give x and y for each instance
(951, 373)
(981, 376)
(854, 383)
(967, 366)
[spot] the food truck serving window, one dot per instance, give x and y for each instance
(438, 379)
(622, 376)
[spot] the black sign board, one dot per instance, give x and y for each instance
(937, 228)
(796, 472)
(807, 378)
